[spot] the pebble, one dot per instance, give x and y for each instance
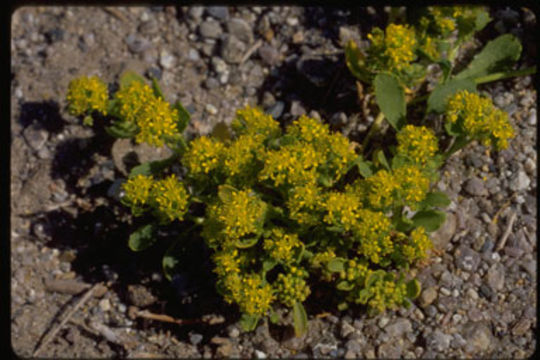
(210, 29)
(441, 238)
(240, 29)
(219, 65)
(137, 44)
(495, 276)
(218, 12)
(195, 338)
(234, 332)
(438, 340)
(297, 109)
(466, 258)
(167, 60)
(383, 321)
(232, 50)
(211, 109)
(532, 117)
(479, 337)
(35, 136)
(520, 181)
(105, 305)
(195, 12)
(399, 327)
(428, 296)
(476, 187)
(269, 55)
(260, 355)
(346, 329)
(149, 27)
(277, 109)
(193, 55)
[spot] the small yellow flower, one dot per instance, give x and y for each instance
(249, 293)
(342, 209)
(372, 230)
(281, 246)
(137, 190)
(252, 120)
(292, 287)
(86, 94)
(170, 197)
(203, 155)
(417, 142)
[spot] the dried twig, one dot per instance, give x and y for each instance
(507, 232)
(166, 318)
(250, 51)
(114, 12)
(55, 331)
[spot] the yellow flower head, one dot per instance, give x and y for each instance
(308, 129)
(380, 189)
(133, 100)
(242, 215)
(171, 198)
(373, 231)
(227, 262)
(303, 198)
(240, 155)
(418, 245)
(249, 293)
(203, 155)
(397, 43)
(281, 246)
(356, 271)
(480, 119)
(86, 94)
(413, 184)
(252, 120)
(386, 293)
(137, 190)
(342, 209)
(292, 287)
(417, 142)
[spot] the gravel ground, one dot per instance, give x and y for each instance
(68, 231)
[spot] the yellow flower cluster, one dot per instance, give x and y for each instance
(293, 164)
(417, 143)
(372, 230)
(343, 209)
(171, 198)
(281, 246)
(480, 119)
(137, 190)
(292, 287)
(86, 94)
(203, 155)
(321, 259)
(355, 271)
(397, 43)
(153, 115)
(386, 294)
(413, 184)
(302, 201)
(240, 155)
(380, 189)
(241, 215)
(429, 46)
(442, 18)
(418, 246)
(227, 262)
(252, 296)
(252, 120)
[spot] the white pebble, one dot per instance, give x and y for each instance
(211, 109)
(105, 305)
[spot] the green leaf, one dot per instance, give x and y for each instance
(336, 265)
(246, 243)
(128, 77)
(343, 306)
(497, 55)
(436, 198)
(446, 67)
(375, 276)
(88, 120)
(249, 322)
(299, 319)
(183, 117)
(398, 161)
(268, 265)
(364, 166)
(122, 129)
(438, 98)
(142, 238)
(344, 285)
(363, 296)
(430, 220)
(169, 263)
(274, 317)
(390, 98)
(468, 25)
(356, 62)
(151, 167)
(226, 192)
(403, 224)
(157, 89)
(413, 289)
(452, 129)
(380, 159)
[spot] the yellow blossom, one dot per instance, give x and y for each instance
(137, 191)
(417, 142)
(342, 209)
(281, 246)
(86, 94)
(372, 230)
(171, 198)
(203, 155)
(292, 287)
(252, 120)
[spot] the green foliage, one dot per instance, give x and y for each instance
(142, 238)
(438, 98)
(390, 97)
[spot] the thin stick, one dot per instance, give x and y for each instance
(376, 125)
(53, 333)
(166, 318)
(507, 232)
(250, 51)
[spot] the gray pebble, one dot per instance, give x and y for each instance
(193, 55)
(195, 12)
(210, 29)
(428, 296)
(438, 340)
(137, 44)
(476, 187)
(297, 109)
(149, 27)
(195, 338)
(532, 117)
(35, 136)
(232, 50)
(219, 65)
(495, 276)
(479, 337)
(240, 29)
(269, 55)
(277, 109)
(167, 60)
(466, 258)
(218, 12)
(520, 181)
(441, 238)
(399, 327)
(211, 83)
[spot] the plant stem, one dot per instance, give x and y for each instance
(376, 125)
(505, 75)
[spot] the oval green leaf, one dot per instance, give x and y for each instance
(430, 220)
(390, 98)
(300, 320)
(142, 238)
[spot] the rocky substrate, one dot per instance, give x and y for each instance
(68, 230)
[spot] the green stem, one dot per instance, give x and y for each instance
(459, 143)
(505, 75)
(376, 125)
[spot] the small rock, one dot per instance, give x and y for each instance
(297, 109)
(240, 29)
(441, 238)
(532, 117)
(105, 305)
(346, 329)
(277, 109)
(210, 29)
(167, 60)
(399, 327)
(530, 166)
(520, 181)
(521, 327)
(260, 355)
(234, 332)
(466, 258)
(476, 187)
(390, 350)
(218, 12)
(211, 109)
(195, 338)
(193, 55)
(339, 119)
(472, 294)
(479, 338)
(428, 296)
(140, 296)
(219, 65)
(211, 83)
(495, 276)
(35, 136)
(345, 34)
(232, 50)
(137, 44)
(195, 12)
(298, 37)
(54, 35)
(438, 341)
(154, 72)
(150, 27)
(269, 55)
(383, 321)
